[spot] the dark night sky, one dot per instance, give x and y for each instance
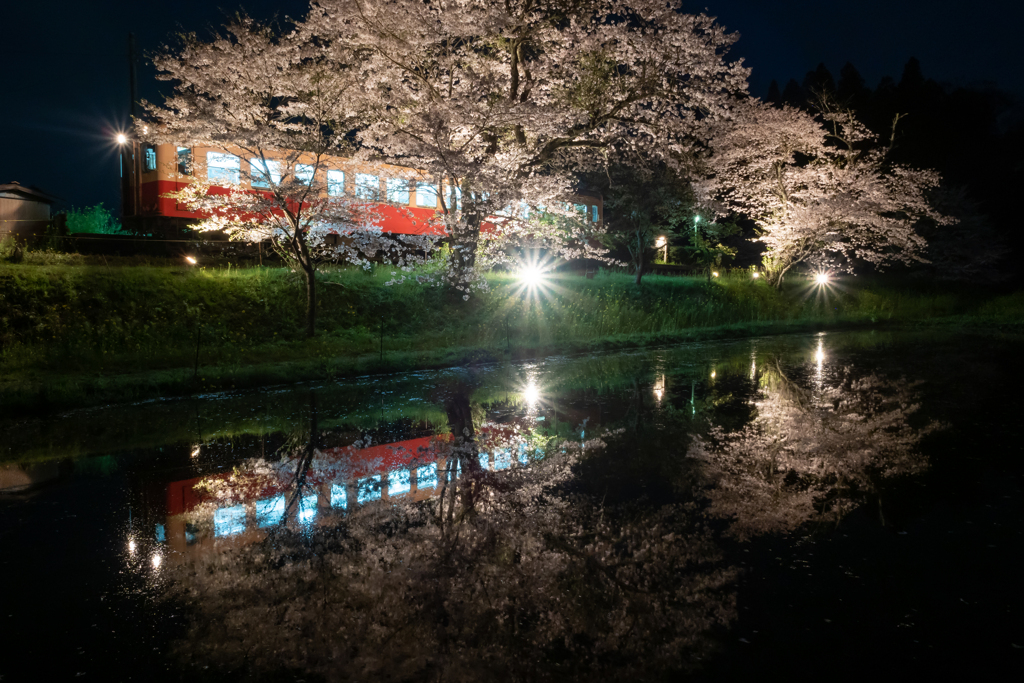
(65, 89)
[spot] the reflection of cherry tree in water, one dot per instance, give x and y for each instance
(810, 455)
(496, 576)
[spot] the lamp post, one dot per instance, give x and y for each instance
(130, 181)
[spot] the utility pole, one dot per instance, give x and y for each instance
(133, 78)
(131, 190)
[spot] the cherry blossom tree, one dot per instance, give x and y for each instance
(810, 454)
(503, 104)
(279, 112)
(497, 575)
(821, 190)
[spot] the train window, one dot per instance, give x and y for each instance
(595, 215)
(222, 167)
(398, 190)
(307, 508)
(453, 195)
(269, 511)
(335, 183)
(304, 173)
(367, 186)
(184, 161)
(368, 489)
(426, 477)
(263, 172)
(426, 195)
(399, 482)
(229, 521)
(150, 158)
(339, 498)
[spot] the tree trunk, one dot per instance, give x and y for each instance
(639, 258)
(464, 244)
(310, 272)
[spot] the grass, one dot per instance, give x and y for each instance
(73, 335)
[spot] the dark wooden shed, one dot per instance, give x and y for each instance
(24, 211)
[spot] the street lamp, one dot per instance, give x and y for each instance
(121, 138)
(531, 276)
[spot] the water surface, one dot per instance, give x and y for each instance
(803, 503)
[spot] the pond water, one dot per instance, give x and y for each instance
(832, 503)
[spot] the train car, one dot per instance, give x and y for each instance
(150, 172)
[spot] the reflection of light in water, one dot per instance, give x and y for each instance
(531, 394)
(712, 374)
(228, 521)
(339, 499)
(131, 547)
(399, 482)
(659, 389)
(368, 489)
(195, 450)
(269, 511)
(819, 357)
(307, 508)
(157, 559)
(502, 459)
(426, 477)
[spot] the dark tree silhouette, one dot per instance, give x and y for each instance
(819, 82)
(852, 90)
(794, 95)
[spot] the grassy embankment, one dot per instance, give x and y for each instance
(74, 335)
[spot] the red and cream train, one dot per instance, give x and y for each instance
(150, 172)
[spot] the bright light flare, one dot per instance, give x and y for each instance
(659, 388)
(196, 450)
(531, 276)
(122, 138)
(191, 259)
(157, 559)
(821, 278)
(131, 546)
(714, 273)
(531, 394)
(756, 275)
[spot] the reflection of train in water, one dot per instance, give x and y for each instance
(407, 204)
(237, 508)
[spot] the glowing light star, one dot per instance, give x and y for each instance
(821, 278)
(121, 138)
(196, 450)
(531, 394)
(531, 276)
(191, 260)
(756, 275)
(714, 273)
(157, 559)
(659, 388)
(131, 546)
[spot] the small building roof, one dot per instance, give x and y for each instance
(26, 192)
